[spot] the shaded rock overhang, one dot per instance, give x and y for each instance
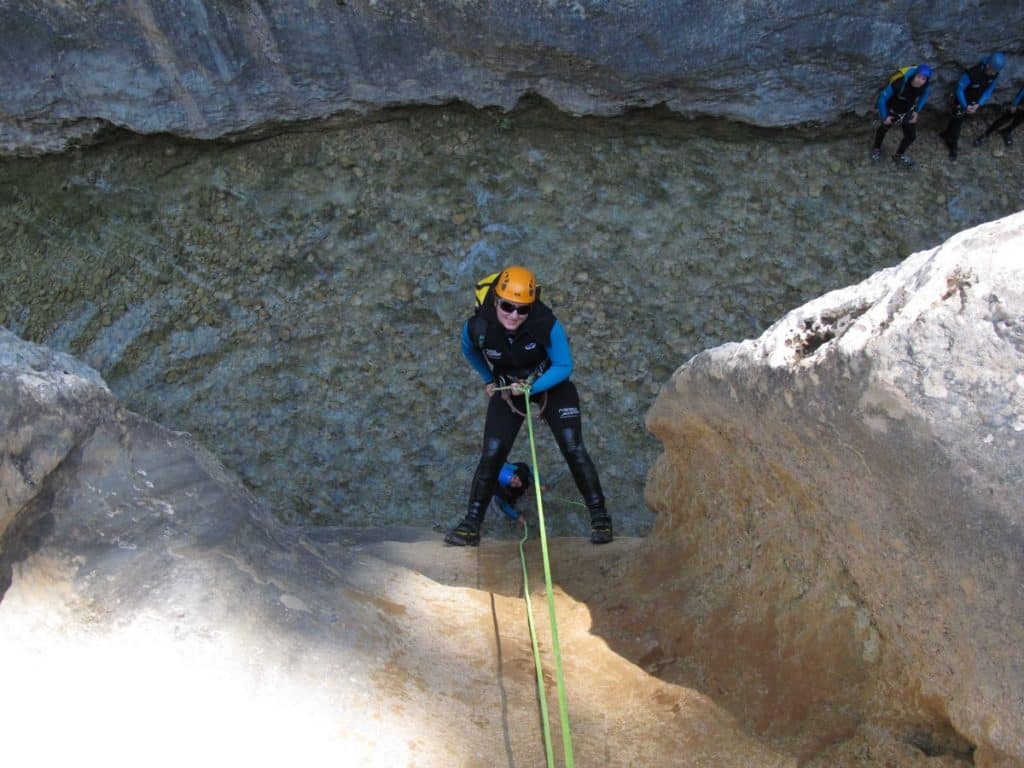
(209, 69)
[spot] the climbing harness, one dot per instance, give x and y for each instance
(506, 395)
(563, 704)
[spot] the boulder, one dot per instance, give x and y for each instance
(228, 67)
(844, 497)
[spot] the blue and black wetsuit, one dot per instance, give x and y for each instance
(974, 87)
(539, 348)
(1009, 120)
(900, 100)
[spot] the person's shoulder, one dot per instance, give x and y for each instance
(543, 308)
(542, 317)
(484, 313)
(480, 322)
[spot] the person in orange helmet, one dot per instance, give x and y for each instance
(515, 339)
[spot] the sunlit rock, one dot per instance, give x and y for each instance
(844, 497)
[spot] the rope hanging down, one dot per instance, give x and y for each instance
(563, 710)
(545, 725)
(563, 705)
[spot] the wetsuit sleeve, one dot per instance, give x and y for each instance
(510, 511)
(923, 98)
(883, 100)
(561, 360)
(1018, 98)
(474, 356)
(961, 86)
(988, 91)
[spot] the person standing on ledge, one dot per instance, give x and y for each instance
(1006, 122)
(514, 340)
(972, 91)
(899, 104)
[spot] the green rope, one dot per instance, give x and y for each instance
(567, 501)
(563, 704)
(536, 654)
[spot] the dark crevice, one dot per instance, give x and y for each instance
(818, 331)
(24, 537)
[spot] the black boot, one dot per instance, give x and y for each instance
(600, 526)
(585, 475)
(467, 533)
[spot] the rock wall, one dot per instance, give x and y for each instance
(212, 68)
(855, 476)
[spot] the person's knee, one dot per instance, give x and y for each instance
(570, 440)
(494, 452)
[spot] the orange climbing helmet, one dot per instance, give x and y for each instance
(516, 284)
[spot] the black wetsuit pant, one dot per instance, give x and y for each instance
(1006, 122)
(562, 414)
(909, 134)
(951, 133)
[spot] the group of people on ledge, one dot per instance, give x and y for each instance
(905, 95)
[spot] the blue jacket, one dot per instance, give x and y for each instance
(890, 91)
(557, 348)
(966, 81)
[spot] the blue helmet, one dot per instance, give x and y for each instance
(520, 469)
(506, 474)
(924, 70)
(997, 61)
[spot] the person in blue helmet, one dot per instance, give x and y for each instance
(1006, 122)
(513, 481)
(899, 103)
(973, 89)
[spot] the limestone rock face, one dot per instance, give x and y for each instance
(219, 67)
(857, 473)
(49, 403)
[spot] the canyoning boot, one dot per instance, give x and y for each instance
(465, 534)
(1007, 139)
(903, 160)
(600, 527)
(876, 155)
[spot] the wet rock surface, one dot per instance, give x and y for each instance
(295, 303)
(224, 67)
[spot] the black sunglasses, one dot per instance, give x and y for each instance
(510, 308)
